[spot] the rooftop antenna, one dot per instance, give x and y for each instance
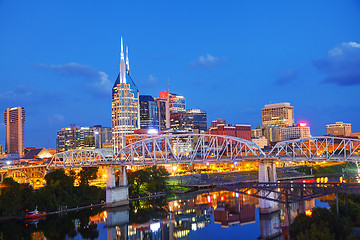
(168, 83)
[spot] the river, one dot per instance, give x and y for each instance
(210, 215)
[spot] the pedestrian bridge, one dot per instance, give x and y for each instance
(205, 148)
(202, 148)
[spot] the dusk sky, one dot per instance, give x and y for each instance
(59, 59)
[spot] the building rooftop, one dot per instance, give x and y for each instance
(283, 104)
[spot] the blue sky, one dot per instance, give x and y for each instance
(59, 59)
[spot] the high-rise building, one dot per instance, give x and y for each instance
(163, 111)
(82, 137)
(190, 120)
(14, 119)
(177, 103)
(281, 114)
(103, 136)
(149, 117)
(125, 104)
(199, 119)
(295, 132)
(338, 129)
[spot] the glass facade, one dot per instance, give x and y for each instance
(125, 105)
(149, 117)
(82, 137)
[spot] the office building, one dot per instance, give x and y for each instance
(163, 110)
(149, 117)
(295, 132)
(177, 103)
(238, 130)
(14, 119)
(281, 114)
(103, 136)
(82, 137)
(125, 104)
(272, 133)
(338, 129)
(190, 120)
(198, 118)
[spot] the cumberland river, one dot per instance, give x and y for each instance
(214, 215)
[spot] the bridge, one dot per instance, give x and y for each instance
(205, 148)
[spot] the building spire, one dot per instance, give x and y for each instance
(122, 50)
(122, 73)
(127, 60)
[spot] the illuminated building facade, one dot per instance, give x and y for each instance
(295, 132)
(125, 104)
(82, 137)
(149, 117)
(14, 119)
(281, 114)
(198, 118)
(338, 129)
(189, 120)
(272, 133)
(177, 103)
(238, 130)
(163, 110)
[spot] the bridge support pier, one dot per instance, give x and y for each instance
(267, 174)
(117, 195)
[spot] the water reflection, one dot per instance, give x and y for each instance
(208, 213)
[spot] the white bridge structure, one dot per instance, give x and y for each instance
(205, 148)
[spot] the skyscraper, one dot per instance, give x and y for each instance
(14, 119)
(177, 103)
(125, 104)
(163, 111)
(281, 114)
(149, 117)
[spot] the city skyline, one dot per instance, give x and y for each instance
(59, 60)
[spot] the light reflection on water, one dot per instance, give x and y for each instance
(215, 215)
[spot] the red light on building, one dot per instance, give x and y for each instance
(308, 212)
(222, 198)
(302, 124)
(163, 94)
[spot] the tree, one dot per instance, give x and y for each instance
(15, 198)
(86, 174)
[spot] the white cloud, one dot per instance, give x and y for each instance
(341, 64)
(208, 61)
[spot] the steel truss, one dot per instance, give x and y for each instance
(188, 149)
(205, 148)
(317, 149)
(287, 192)
(81, 158)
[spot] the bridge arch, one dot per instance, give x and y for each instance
(80, 158)
(188, 148)
(323, 148)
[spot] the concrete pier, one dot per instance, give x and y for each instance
(117, 189)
